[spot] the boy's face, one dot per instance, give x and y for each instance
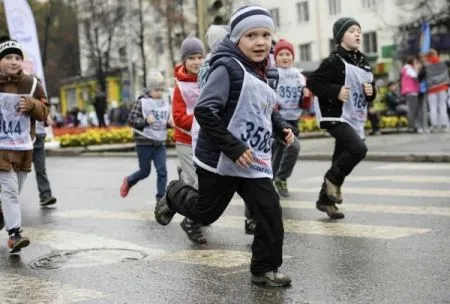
(11, 64)
(156, 93)
(193, 63)
(393, 87)
(256, 43)
(352, 38)
(284, 59)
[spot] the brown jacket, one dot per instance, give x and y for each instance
(39, 108)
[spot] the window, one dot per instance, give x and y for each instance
(305, 52)
(275, 12)
(302, 11)
(332, 45)
(370, 42)
(334, 7)
(368, 3)
(123, 54)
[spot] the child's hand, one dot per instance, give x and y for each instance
(25, 105)
(289, 138)
(306, 92)
(344, 94)
(368, 89)
(245, 160)
(150, 119)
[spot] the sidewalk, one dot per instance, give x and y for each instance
(399, 147)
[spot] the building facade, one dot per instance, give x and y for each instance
(308, 24)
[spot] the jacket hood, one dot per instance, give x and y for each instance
(181, 74)
(227, 49)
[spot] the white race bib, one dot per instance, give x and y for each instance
(14, 126)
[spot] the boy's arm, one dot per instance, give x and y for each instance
(374, 95)
(212, 100)
(135, 118)
(37, 104)
(181, 118)
(278, 124)
(320, 81)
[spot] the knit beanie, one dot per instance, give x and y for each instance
(191, 46)
(247, 18)
(8, 46)
(215, 34)
(283, 45)
(155, 80)
(341, 26)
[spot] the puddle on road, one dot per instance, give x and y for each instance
(60, 259)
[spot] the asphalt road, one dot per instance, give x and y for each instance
(95, 247)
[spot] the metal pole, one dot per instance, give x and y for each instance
(201, 12)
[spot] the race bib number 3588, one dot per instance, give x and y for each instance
(259, 138)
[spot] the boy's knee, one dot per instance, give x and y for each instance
(360, 149)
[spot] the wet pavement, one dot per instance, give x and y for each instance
(95, 247)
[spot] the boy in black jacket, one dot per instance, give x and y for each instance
(233, 150)
(344, 86)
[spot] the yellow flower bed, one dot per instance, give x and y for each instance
(101, 137)
(125, 134)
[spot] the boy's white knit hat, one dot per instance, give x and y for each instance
(247, 18)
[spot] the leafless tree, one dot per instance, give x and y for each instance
(100, 21)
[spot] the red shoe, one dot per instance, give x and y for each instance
(125, 188)
(16, 242)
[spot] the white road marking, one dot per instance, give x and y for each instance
(18, 289)
(291, 226)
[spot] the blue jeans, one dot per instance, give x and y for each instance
(145, 156)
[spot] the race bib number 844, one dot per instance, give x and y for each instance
(14, 126)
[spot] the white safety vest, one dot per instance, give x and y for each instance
(252, 124)
(15, 126)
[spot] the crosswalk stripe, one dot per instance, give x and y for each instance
(292, 226)
(381, 191)
(16, 288)
(381, 208)
(413, 166)
(395, 178)
(332, 228)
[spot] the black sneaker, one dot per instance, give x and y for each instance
(163, 213)
(16, 241)
(333, 192)
(331, 210)
(194, 231)
(250, 226)
(48, 201)
(2, 220)
(281, 186)
(272, 278)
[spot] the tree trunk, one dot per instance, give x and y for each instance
(142, 44)
(169, 21)
(48, 21)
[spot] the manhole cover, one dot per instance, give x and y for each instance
(86, 258)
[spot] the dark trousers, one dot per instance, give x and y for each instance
(374, 121)
(215, 192)
(147, 154)
(43, 184)
(100, 113)
(349, 150)
(284, 158)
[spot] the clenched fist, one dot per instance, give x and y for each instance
(150, 119)
(344, 94)
(368, 89)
